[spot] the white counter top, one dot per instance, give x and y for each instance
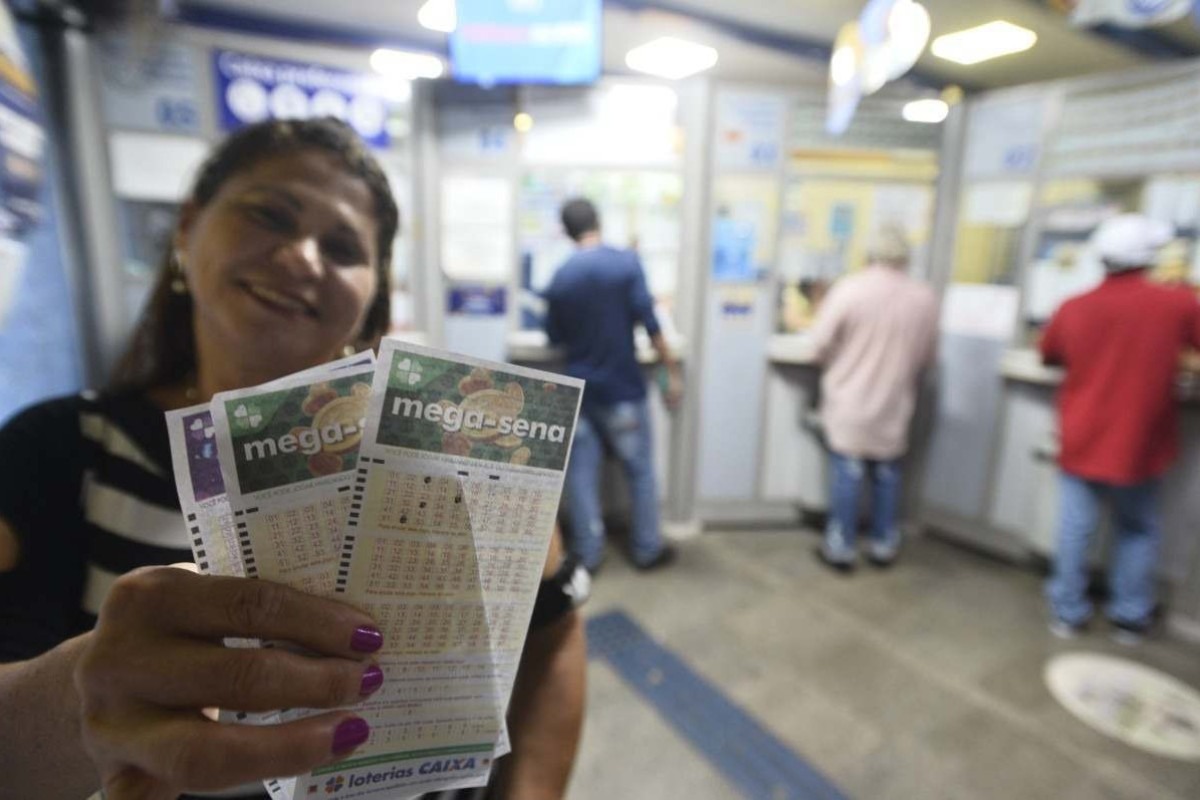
(533, 347)
(1025, 365)
(791, 348)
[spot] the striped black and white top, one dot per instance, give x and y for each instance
(86, 484)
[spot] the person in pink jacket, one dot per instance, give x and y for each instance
(875, 333)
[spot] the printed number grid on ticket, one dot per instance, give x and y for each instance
(451, 514)
(288, 455)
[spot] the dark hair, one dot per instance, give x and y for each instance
(580, 218)
(163, 348)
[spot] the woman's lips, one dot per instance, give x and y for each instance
(279, 301)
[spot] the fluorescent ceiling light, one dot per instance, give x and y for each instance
(405, 65)
(671, 58)
(930, 110)
(843, 67)
(438, 15)
(995, 39)
(908, 31)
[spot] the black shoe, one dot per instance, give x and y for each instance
(840, 567)
(664, 557)
(880, 563)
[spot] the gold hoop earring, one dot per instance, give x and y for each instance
(178, 278)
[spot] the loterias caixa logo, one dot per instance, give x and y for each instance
(338, 782)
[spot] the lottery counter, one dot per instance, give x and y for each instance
(533, 349)
(794, 464)
(795, 461)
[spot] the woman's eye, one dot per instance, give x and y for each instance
(271, 217)
(344, 252)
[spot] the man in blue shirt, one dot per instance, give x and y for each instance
(593, 304)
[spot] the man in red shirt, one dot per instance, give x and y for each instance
(1121, 344)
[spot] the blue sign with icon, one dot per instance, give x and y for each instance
(477, 301)
(732, 250)
(253, 88)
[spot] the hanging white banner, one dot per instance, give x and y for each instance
(1129, 13)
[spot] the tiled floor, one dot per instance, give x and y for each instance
(923, 681)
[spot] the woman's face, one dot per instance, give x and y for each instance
(281, 263)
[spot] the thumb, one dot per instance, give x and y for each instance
(133, 784)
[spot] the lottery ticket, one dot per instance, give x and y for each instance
(452, 510)
(201, 490)
(216, 547)
(287, 452)
(201, 486)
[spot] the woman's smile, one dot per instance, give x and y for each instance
(279, 301)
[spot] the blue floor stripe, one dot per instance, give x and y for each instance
(748, 755)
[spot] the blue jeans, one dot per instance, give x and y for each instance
(843, 512)
(1134, 556)
(625, 429)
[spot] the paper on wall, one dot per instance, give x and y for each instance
(1005, 204)
(980, 310)
(151, 166)
(476, 228)
(909, 206)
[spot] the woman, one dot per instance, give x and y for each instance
(279, 262)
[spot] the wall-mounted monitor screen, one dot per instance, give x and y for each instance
(527, 41)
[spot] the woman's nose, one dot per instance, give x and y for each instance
(301, 258)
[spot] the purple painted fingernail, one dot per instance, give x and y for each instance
(366, 639)
(350, 734)
(372, 679)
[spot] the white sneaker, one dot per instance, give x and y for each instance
(1127, 635)
(883, 554)
(842, 561)
(835, 549)
(1065, 630)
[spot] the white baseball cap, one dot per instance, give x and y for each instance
(1131, 240)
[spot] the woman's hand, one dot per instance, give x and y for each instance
(155, 660)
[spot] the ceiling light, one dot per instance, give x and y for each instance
(523, 122)
(843, 65)
(406, 65)
(671, 58)
(995, 39)
(893, 34)
(930, 110)
(438, 15)
(845, 79)
(908, 31)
